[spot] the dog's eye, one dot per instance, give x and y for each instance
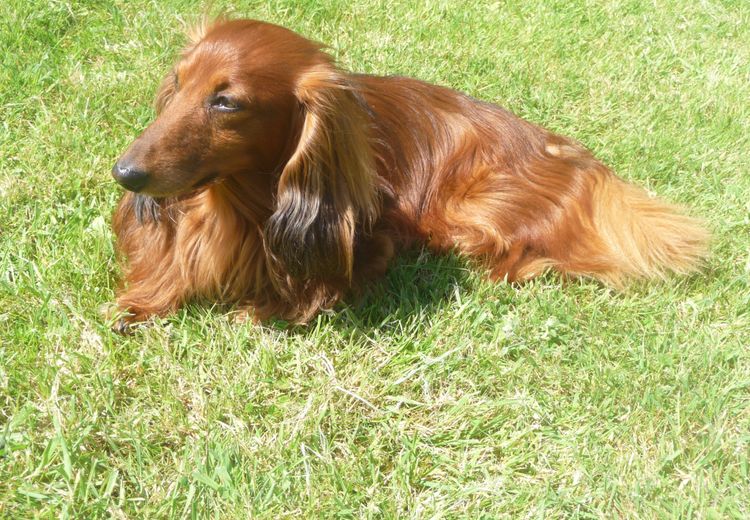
(224, 104)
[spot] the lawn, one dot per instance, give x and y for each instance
(436, 395)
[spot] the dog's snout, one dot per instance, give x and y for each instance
(129, 176)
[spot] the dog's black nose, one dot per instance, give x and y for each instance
(129, 177)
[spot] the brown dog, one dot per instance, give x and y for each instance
(274, 180)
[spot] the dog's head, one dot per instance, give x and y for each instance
(226, 108)
(246, 99)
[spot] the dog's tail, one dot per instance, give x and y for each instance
(642, 236)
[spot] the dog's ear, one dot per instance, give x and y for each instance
(327, 190)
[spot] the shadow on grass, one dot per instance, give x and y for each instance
(418, 283)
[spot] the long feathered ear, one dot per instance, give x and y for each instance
(327, 190)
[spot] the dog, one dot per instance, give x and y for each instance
(273, 180)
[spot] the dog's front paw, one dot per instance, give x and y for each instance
(129, 321)
(123, 321)
(124, 326)
(245, 315)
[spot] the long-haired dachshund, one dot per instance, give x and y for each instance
(274, 180)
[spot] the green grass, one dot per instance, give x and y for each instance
(438, 395)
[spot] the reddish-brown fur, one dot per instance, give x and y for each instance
(320, 175)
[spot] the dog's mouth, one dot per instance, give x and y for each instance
(205, 181)
(188, 192)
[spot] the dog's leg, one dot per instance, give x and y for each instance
(153, 281)
(150, 290)
(372, 256)
(157, 294)
(487, 216)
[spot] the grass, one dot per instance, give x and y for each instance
(438, 395)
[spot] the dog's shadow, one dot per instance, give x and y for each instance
(418, 283)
